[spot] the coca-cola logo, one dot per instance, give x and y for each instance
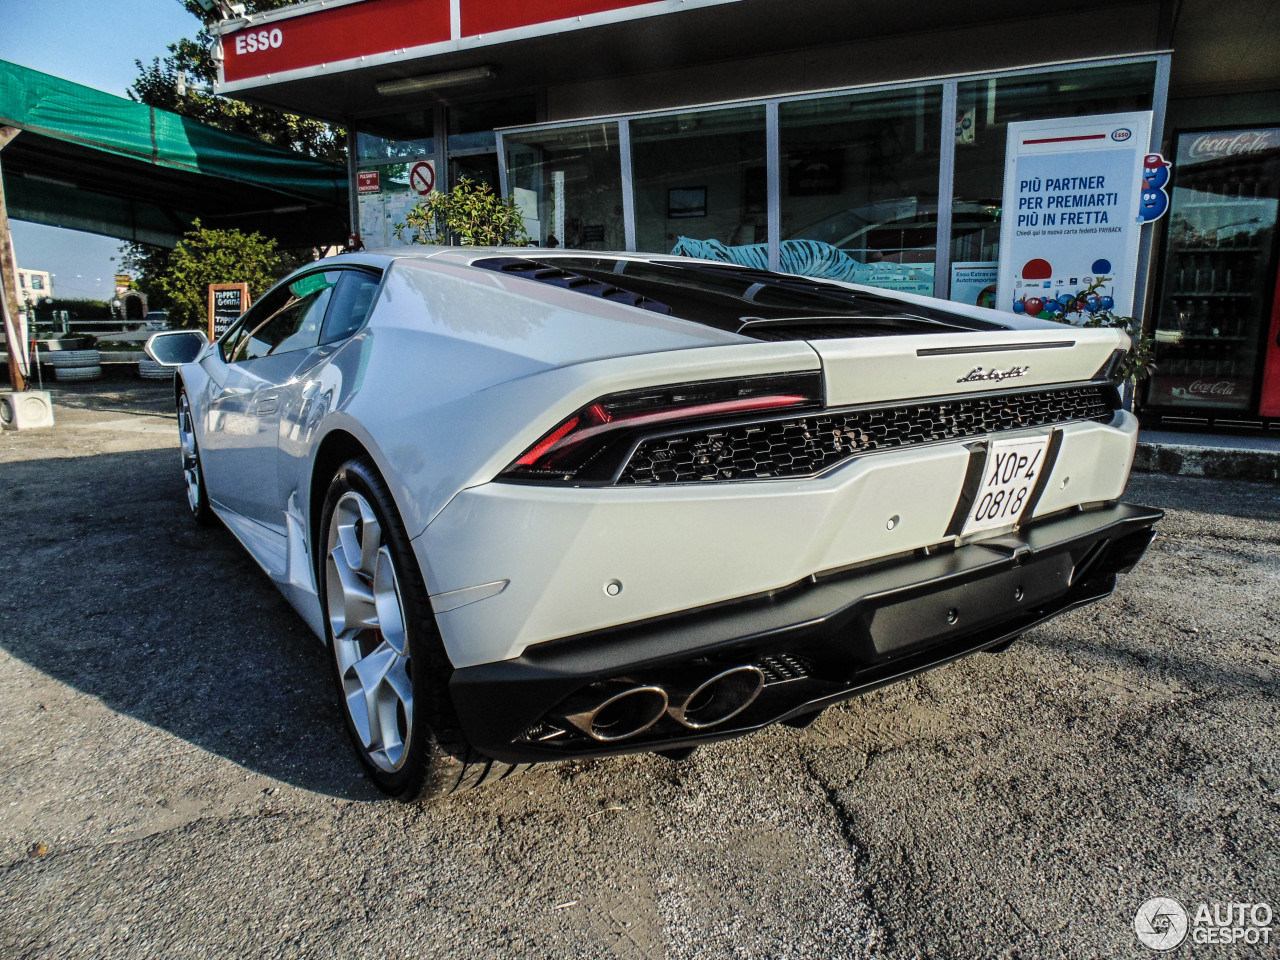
(1210, 146)
(1212, 388)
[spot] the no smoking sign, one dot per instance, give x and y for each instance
(422, 177)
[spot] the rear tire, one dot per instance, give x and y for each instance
(389, 662)
(192, 471)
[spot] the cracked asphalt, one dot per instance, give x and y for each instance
(175, 781)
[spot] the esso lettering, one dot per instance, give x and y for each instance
(259, 40)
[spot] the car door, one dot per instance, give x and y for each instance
(251, 381)
(319, 385)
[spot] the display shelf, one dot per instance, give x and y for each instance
(1220, 204)
(1199, 294)
(1205, 337)
(1179, 250)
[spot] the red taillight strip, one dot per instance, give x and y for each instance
(719, 408)
(547, 442)
(566, 435)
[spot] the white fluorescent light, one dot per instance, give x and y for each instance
(434, 81)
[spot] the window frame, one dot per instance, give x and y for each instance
(378, 274)
(234, 330)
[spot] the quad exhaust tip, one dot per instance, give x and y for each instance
(615, 710)
(711, 700)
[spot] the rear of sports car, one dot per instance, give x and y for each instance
(695, 544)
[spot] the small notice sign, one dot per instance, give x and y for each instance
(226, 302)
(422, 177)
(367, 181)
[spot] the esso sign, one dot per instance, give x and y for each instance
(258, 40)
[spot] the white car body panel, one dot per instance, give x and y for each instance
(901, 368)
(684, 546)
(485, 370)
(459, 370)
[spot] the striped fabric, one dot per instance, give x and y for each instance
(808, 258)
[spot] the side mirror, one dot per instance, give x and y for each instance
(173, 348)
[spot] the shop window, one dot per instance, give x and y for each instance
(1215, 305)
(402, 136)
(859, 187)
(472, 125)
(385, 197)
(568, 184)
(984, 109)
(701, 185)
(388, 150)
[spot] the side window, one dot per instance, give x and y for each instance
(287, 319)
(250, 321)
(350, 305)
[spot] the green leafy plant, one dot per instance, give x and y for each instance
(1086, 308)
(205, 256)
(470, 214)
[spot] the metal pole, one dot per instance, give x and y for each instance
(773, 181)
(628, 186)
(946, 190)
(13, 341)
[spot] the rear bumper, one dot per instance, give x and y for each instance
(537, 559)
(817, 642)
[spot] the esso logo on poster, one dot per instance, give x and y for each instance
(1121, 135)
(259, 40)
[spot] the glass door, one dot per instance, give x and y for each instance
(472, 145)
(1218, 272)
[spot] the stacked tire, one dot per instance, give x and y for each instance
(76, 365)
(148, 369)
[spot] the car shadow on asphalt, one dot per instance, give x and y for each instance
(1195, 673)
(115, 591)
(1241, 499)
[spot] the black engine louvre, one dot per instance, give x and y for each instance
(800, 446)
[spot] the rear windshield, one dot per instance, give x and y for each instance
(757, 303)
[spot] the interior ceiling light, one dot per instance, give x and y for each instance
(434, 81)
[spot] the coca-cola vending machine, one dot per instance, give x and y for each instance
(1213, 333)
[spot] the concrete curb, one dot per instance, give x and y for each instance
(1194, 460)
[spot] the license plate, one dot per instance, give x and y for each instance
(1013, 467)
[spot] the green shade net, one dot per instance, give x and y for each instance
(170, 151)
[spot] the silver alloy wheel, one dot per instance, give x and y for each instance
(190, 452)
(366, 616)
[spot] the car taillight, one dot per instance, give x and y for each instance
(592, 444)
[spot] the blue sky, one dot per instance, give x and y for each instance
(94, 43)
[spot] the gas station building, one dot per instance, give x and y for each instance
(771, 127)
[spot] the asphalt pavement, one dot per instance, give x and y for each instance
(175, 780)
